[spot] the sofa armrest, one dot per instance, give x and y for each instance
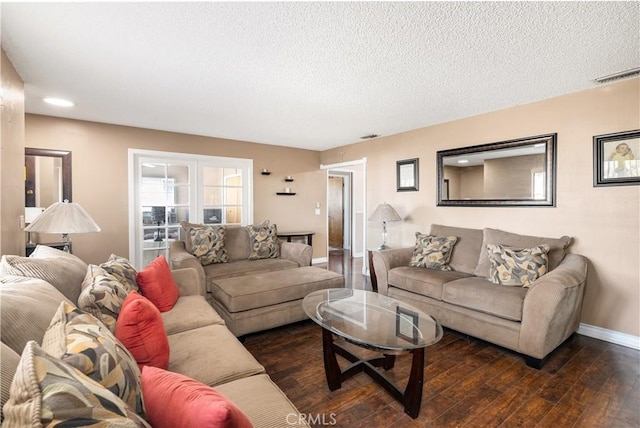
(296, 252)
(552, 307)
(188, 282)
(180, 258)
(385, 260)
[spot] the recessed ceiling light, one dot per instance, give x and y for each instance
(58, 102)
(463, 161)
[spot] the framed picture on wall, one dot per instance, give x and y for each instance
(407, 175)
(616, 159)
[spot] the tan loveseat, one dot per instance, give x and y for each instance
(532, 321)
(201, 346)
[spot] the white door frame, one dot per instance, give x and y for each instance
(344, 166)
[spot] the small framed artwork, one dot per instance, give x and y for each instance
(616, 159)
(212, 215)
(407, 175)
(407, 325)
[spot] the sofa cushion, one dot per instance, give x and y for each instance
(62, 270)
(517, 267)
(484, 296)
(432, 252)
(102, 295)
(46, 391)
(258, 290)
(188, 313)
(427, 282)
(220, 358)
(244, 267)
(156, 284)
(193, 404)
(30, 304)
(140, 329)
(264, 242)
(557, 247)
(273, 409)
(464, 257)
(122, 270)
(82, 341)
(207, 244)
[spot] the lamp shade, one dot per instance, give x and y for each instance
(63, 217)
(385, 212)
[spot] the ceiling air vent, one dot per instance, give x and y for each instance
(368, 137)
(617, 76)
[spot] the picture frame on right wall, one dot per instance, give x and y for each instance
(616, 159)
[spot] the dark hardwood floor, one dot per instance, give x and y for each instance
(468, 382)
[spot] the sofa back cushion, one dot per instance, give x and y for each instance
(62, 270)
(557, 247)
(10, 360)
(26, 310)
(467, 249)
(237, 242)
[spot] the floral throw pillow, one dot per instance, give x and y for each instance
(46, 391)
(122, 270)
(517, 267)
(102, 295)
(264, 241)
(432, 252)
(80, 340)
(207, 244)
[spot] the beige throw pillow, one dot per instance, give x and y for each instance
(517, 267)
(557, 247)
(432, 252)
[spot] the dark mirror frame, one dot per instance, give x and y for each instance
(66, 166)
(550, 165)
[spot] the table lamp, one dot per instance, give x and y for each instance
(384, 213)
(65, 218)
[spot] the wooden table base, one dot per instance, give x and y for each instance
(411, 397)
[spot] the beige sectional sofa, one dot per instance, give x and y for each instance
(532, 321)
(201, 346)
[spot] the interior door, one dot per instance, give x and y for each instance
(336, 211)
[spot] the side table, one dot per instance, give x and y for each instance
(372, 272)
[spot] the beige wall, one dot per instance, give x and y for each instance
(604, 221)
(12, 239)
(99, 153)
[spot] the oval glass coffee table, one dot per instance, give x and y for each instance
(375, 322)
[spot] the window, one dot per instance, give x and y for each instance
(169, 188)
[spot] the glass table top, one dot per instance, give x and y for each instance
(372, 320)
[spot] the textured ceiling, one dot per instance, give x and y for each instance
(310, 75)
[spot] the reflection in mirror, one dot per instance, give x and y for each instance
(47, 177)
(509, 173)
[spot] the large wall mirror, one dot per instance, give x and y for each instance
(47, 177)
(508, 173)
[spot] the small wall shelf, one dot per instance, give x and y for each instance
(265, 172)
(288, 180)
(285, 193)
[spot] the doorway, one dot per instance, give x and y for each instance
(338, 211)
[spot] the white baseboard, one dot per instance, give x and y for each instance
(319, 260)
(623, 339)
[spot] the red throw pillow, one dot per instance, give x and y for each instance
(140, 329)
(157, 284)
(174, 400)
